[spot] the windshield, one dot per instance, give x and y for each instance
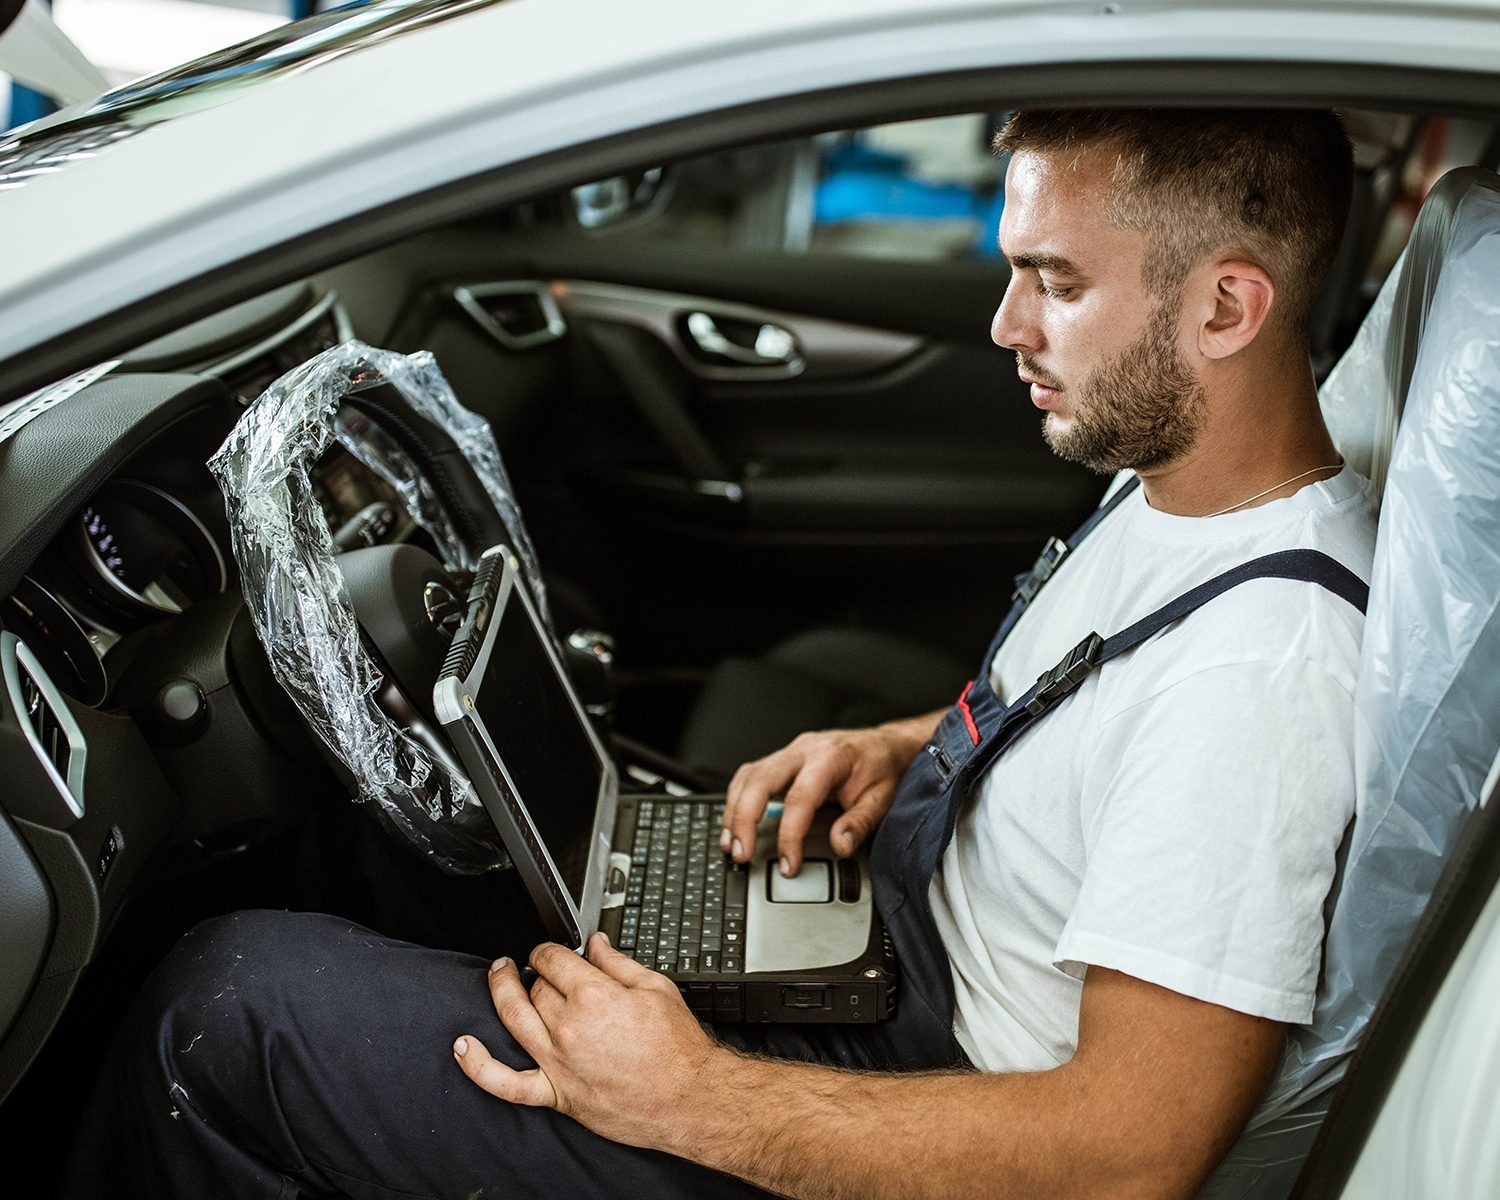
(214, 79)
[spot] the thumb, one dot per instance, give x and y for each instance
(858, 822)
(531, 1087)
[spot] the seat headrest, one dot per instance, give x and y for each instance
(1366, 393)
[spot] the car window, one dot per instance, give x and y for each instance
(925, 189)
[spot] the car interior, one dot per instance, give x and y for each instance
(776, 476)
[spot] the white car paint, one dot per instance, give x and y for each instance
(505, 83)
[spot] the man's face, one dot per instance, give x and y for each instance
(1102, 354)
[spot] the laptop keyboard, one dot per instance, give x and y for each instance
(685, 899)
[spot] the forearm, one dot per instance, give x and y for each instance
(818, 1132)
(1159, 1088)
(912, 733)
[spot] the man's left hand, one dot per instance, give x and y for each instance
(616, 1047)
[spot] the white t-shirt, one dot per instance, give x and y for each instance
(1177, 817)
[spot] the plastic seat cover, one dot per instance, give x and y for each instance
(1428, 696)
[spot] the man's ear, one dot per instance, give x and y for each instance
(1242, 296)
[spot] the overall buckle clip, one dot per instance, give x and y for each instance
(1047, 562)
(1064, 678)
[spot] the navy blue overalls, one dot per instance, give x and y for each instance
(972, 735)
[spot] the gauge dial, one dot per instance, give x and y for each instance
(35, 616)
(149, 551)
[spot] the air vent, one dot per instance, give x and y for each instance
(250, 371)
(44, 723)
(50, 730)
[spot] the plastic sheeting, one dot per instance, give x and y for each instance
(1428, 698)
(421, 384)
(301, 608)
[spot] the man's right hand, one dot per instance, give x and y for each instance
(857, 768)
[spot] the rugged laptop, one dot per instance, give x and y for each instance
(743, 943)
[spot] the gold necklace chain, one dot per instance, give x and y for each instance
(1331, 467)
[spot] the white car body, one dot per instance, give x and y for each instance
(160, 220)
(525, 78)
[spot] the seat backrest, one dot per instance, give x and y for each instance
(1428, 698)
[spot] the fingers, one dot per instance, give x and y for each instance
(812, 787)
(749, 792)
(531, 1087)
(619, 967)
(851, 830)
(548, 1002)
(515, 1009)
(563, 969)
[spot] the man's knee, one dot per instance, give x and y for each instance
(232, 961)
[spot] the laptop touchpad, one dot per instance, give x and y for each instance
(812, 885)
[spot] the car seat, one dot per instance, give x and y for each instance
(822, 679)
(1428, 695)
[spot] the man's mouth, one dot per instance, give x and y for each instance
(1044, 386)
(1043, 395)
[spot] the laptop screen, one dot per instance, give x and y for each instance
(541, 741)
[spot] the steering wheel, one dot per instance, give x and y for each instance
(356, 640)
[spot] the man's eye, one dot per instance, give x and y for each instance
(1052, 292)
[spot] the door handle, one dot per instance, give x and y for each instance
(769, 345)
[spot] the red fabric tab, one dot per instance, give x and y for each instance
(963, 707)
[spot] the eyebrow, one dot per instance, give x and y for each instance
(1044, 262)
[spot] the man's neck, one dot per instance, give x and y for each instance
(1259, 443)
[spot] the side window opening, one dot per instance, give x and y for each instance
(923, 190)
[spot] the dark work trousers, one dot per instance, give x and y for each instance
(278, 1054)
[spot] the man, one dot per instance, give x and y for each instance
(1129, 910)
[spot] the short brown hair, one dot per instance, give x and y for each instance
(1271, 185)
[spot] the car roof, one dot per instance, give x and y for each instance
(125, 225)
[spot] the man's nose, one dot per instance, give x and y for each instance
(1013, 326)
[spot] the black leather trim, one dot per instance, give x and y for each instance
(51, 465)
(26, 916)
(438, 457)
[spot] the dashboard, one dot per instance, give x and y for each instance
(139, 721)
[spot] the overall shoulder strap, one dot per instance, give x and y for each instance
(1030, 582)
(1311, 566)
(1056, 549)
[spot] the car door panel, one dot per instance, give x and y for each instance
(902, 456)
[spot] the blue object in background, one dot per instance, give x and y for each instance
(26, 105)
(861, 183)
(988, 244)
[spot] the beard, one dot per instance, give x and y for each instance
(1140, 410)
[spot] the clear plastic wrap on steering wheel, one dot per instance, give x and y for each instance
(296, 594)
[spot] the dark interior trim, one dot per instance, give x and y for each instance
(1057, 84)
